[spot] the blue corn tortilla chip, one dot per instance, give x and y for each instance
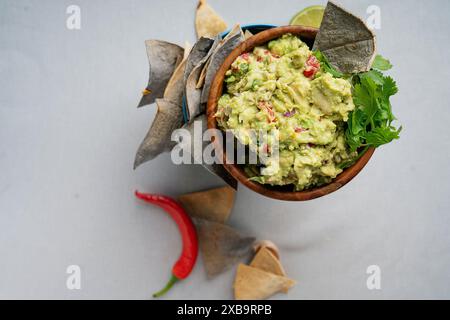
(345, 40)
(163, 58)
(228, 44)
(196, 62)
(198, 53)
(169, 117)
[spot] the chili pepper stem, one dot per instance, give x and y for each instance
(169, 285)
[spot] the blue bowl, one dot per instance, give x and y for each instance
(254, 29)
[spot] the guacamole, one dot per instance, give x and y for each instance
(281, 87)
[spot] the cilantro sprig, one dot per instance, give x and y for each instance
(371, 123)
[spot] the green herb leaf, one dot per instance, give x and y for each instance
(375, 75)
(370, 124)
(389, 87)
(381, 63)
(382, 135)
(326, 66)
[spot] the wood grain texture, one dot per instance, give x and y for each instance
(237, 171)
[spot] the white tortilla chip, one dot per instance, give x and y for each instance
(247, 34)
(207, 22)
(235, 30)
(193, 94)
(163, 58)
(269, 245)
(201, 79)
(255, 284)
(265, 260)
(175, 89)
(213, 205)
(187, 50)
(346, 41)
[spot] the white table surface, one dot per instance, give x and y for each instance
(69, 130)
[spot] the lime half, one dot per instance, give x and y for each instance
(309, 17)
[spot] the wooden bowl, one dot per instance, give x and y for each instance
(237, 171)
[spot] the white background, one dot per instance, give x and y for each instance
(69, 130)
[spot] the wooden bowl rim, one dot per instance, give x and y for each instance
(236, 170)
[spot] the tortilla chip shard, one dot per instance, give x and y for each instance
(163, 58)
(201, 80)
(221, 246)
(193, 94)
(207, 22)
(269, 245)
(255, 284)
(228, 44)
(247, 34)
(169, 117)
(199, 51)
(196, 62)
(213, 205)
(348, 44)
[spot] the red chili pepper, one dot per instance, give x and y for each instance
(186, 262)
